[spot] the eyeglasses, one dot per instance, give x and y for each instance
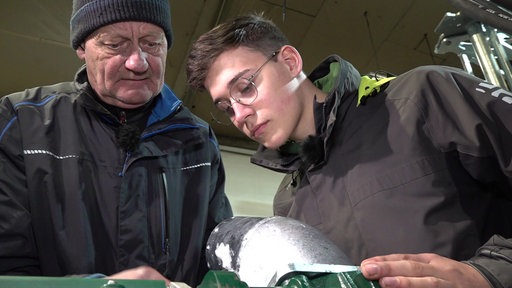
(242, 91)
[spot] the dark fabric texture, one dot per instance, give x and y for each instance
(494, 260)
(89, 15)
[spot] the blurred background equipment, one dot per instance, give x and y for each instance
(479, 35)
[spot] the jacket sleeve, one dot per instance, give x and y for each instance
(18, 254)
(219, 206)
(494, 261)
(473, 117)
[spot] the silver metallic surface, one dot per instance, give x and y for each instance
(262, 250)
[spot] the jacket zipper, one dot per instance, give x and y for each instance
(164, 214)
(122, 120)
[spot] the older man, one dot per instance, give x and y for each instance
(109, 174)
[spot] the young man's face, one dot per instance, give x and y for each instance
(126, 62)
(275, 113)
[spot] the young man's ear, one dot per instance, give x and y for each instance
(292, 59)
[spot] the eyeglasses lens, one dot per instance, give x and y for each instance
(222, 113)
(243, 91)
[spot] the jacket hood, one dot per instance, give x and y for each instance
(340, 80)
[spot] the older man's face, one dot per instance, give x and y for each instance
(126, 62)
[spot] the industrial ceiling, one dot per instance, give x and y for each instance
(372, 34)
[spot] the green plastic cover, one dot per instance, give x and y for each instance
(75, 282)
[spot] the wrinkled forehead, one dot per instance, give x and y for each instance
(129, 30)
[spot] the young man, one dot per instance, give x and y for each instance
(419, 163)
(109, 174)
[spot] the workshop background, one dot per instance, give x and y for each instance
(373, 35)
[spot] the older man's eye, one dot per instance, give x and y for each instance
(111, 45)
(151, 46)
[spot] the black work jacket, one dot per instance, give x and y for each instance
(73, 202)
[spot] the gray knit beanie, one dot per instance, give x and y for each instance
(89, 15)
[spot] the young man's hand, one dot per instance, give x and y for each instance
(421, 270)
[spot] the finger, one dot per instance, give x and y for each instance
(423, 258)
(376, 270)
(413, 282)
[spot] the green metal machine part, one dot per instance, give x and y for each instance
(352, 279)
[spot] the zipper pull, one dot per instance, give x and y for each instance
(166, 246)
(164, 201)
(122, 117)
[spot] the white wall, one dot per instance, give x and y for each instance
(250, 188)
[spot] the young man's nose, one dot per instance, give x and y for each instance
(241, 111)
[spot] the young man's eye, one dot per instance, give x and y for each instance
(246, 89)
(223, 105)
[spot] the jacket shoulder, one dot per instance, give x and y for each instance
(40, 94)
(433, 81)
(435, 74)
